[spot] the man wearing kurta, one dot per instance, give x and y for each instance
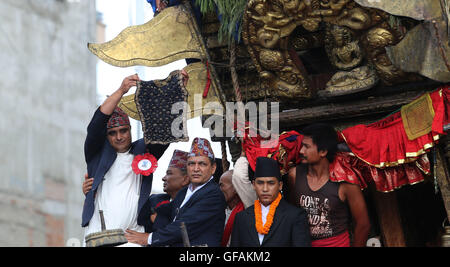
(116, 188)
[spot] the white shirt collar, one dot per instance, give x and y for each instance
(198, 187)
(124, 153)
(190, 192)
(264, 212)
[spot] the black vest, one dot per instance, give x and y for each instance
(328, 216)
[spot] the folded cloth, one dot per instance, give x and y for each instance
(154, 101)
(284, 150)
(350, 169)
(287, 153)
(252, 144)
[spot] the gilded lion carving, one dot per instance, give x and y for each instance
(354, 38)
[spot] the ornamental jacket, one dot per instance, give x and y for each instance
(100, 156)
(290, 228)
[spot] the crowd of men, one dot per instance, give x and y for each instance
(242, 210)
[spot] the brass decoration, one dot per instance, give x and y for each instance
(346, 55)
(419, 10)
(170, 36)
(195, 87)
(356, 80)
(344, 52)
(196, 84)
(433, 59)
(106, 238)
(418, 117)
(356, 34)
(266, 27)
(128, 105)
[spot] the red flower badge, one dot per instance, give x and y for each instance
(144, 164)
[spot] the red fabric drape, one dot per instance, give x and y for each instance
(385, 143)
(348, 168)
(208, 82)
(229, 226)
(285, 150)
(252, 143)
(381, 151)
(341, 240)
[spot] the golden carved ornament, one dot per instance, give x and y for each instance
(267, 26)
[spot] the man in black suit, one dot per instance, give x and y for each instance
(200, 205)
(271, 222)
(175, 179)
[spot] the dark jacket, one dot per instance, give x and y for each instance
(100, 156)
(289, 228)
(203, 215)
(155, 201)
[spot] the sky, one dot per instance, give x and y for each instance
(117, 15)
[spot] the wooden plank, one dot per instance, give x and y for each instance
(347, 110)
(389, 218)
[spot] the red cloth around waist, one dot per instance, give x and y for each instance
(341, 240)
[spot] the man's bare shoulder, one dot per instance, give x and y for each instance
(348, 191)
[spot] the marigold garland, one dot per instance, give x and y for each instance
(258, 216)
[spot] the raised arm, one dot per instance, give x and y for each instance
(96, 130)
(242, 183)
(113, 100)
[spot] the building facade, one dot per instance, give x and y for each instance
(47, 87)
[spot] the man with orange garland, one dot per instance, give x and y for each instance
(271, 221)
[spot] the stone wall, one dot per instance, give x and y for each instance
(47, 96)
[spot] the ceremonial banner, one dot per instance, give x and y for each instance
(166, 38)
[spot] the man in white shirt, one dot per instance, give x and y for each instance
(109, 152)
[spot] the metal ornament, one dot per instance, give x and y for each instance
(166, 38)
(106, 238)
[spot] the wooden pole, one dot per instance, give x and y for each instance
(443, 178)
(389, 218)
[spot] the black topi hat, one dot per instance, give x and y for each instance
(267, 167)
